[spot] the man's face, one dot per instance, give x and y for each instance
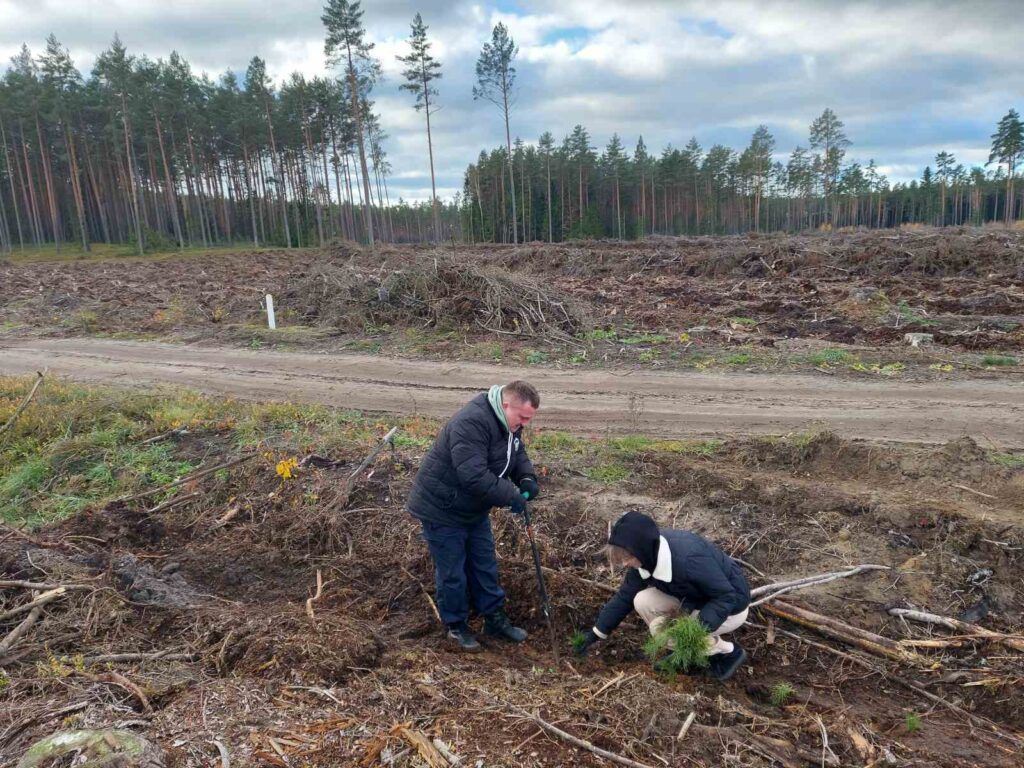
(517, 414)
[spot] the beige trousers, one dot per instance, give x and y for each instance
(655, 608)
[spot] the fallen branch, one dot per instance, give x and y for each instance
(575, 740)
(13, 730)
(187, 479)
(422, 745)
(314, 598)
(225, 759)
(350, 482)
(865, 664)
(810, 581)
(15, 634)
(41, 585)
(114, 678)
(43, 599)
(173, 502)
(976, 493)
(961, 626)
(426, 594)
(777, 749)
(113, 658)
(686, 726)
(838, 630)
(24, 404)
(451, 757)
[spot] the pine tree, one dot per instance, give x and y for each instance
(827, 135)
(495, 79)
(346, 46)
(1007, 149)
(421, 70)
(614, 161)
(944, 172)
(758, 160)
(546, 144)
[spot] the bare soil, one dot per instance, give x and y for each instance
(224, 578)
(592, 402)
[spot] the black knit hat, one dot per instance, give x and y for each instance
(637, 534)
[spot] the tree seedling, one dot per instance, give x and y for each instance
(577, 639)
(679, 647)
(913, 722)
(781, 693)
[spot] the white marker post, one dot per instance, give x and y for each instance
(271, 320)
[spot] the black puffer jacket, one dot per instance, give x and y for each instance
(686, 566)
(474, 465)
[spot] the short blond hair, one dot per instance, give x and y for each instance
(521, 392)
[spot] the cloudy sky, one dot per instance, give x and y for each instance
(909, 79)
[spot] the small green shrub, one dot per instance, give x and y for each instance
(831, 357)
(646, 338)
(998, 360)
(679, 647)
(535, 357)
(781, 693)
(913, 722)
(739, 358)
(599, 334)
(610, 472)
(747, 322)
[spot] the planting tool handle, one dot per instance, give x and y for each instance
(544, 604)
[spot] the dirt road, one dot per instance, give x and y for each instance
(587, 402)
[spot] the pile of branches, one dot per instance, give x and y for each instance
(436, 290)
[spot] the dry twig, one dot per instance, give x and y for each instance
(24, 404)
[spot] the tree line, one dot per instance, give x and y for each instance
(148, 152)
(569, 190)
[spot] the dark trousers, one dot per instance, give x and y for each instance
(465, 569)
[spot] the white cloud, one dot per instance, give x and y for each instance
(908, 77)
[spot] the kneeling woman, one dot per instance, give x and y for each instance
(671, 572)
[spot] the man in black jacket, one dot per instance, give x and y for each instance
(478, 462)
(671, 572)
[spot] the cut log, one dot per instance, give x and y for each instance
(838, 630)
(1017, 643)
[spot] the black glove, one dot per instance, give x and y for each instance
(528, 485)
(582, 647)
(518, 504)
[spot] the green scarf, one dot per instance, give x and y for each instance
(494, 398)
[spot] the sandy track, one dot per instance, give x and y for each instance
(588, 402)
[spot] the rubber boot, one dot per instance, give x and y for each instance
(497, 624)
(463, 637)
